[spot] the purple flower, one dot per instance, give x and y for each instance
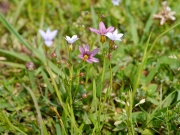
(48, 36)
(102, 29)
(116, 2)
(86, 55)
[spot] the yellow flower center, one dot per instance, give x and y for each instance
(85, 57)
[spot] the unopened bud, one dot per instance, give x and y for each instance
(70, 48)
(102, 16)
(58, 61)
(111, 43)
(81, 82)
(54, 54)
(81, 74)
(84, 95)
(102, 38)
(115, 47)
(30, 66)
(109, 56)
(86, 12)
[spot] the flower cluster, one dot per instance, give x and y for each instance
(107, 32)
(86, 54)
(110, 33)
(165, 14)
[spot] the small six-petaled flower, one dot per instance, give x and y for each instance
(48, 36)
(86, 55)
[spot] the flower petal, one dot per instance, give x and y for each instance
(115, 32)
(110, 29)
(86, 48)
(94, 30)
(94, 52)
(109, 35)
(74, 37)
(102, 28)
(43, 34)
(48, 43)
(81, 49)
(80, 56)
(52, 34)
(120, 35)
(94, 59)
(89, 61)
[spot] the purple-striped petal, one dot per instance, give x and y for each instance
(80, 56)
(81, 49)
(86, 48)
(94, 52)
(94, 59)
(89, 61)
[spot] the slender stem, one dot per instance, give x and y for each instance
(54, 84)
(39, 117)
(19, 130)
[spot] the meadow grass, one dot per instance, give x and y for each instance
(133, 89)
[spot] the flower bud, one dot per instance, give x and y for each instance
(84, 95)
(81, 74)
(70, 48)
(54, 54)
(86, 12)
(81, 82)
(115, 47)
(102, 38)
(30, 66)
(58, 61)
(109, 56)
(102, 16)
(111, 43)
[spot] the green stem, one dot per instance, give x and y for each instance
(39, 117)
(54, 84)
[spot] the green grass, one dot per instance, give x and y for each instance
(54, 99)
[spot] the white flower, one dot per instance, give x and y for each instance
(71, 40)
(116, 2)
(165, 14)
(48, 36)
(114, 36)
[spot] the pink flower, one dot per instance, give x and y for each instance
(86, 55)
(102, 29)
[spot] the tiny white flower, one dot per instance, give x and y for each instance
(71, 40)
(116, 2)
(141, 102)
(172, 56)
(48, 36)
(114, 36)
